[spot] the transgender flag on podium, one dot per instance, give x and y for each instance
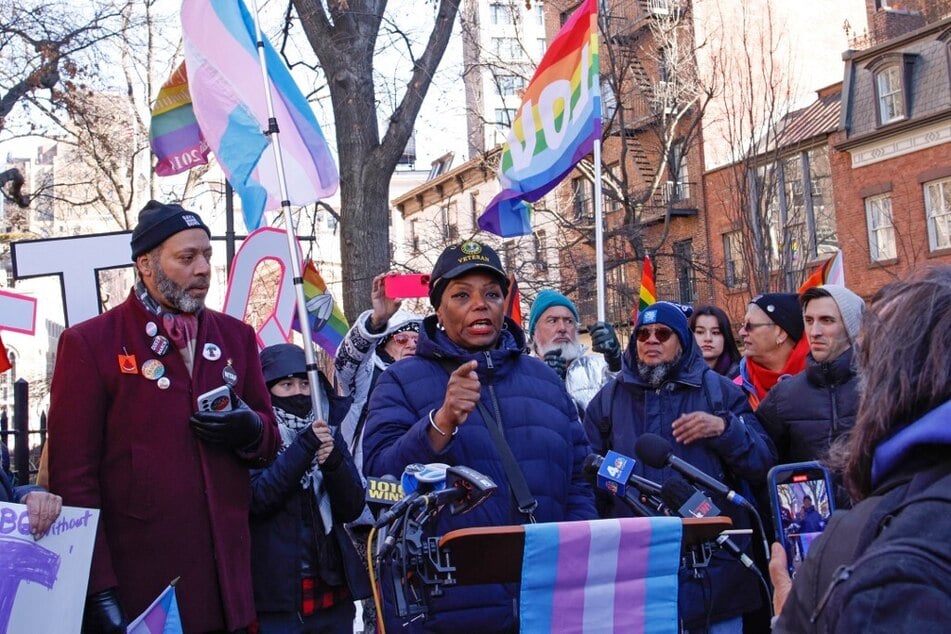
(227, 92)
(614, 575)
(557, 124)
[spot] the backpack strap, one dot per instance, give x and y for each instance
(713, 391)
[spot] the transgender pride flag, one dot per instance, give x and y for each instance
(161, 617)
(614, 575)
(558, 122)
(227, 91)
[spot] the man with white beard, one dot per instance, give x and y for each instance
(553, 328)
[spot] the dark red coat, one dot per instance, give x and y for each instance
(172, 506)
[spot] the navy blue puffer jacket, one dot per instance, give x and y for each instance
(631, 407)
(541, 426)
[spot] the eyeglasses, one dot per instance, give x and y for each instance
(749, 326)
(662, 334)
(402, 339)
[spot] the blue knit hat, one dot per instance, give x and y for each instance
(669, 314)
(545, 300)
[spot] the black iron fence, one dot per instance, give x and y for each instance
(29, 442)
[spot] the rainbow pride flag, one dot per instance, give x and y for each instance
(557, 124)
(225, 79)
(161, 617)
(328, 325)
(648, 294)
(831, 272)
(613, 575)
(174, 134)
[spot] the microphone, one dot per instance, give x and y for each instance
(418, 479)
(615, 473)
(691, 502)
(687, 500)
(465, 489)
(658, 453)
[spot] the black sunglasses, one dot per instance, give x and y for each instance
(662, 334)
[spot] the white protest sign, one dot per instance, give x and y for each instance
(43, 583)
(267, 243)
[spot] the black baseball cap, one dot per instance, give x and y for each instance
(459, 259)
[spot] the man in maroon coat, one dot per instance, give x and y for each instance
(172, 484)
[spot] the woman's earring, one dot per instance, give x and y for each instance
(439, 326)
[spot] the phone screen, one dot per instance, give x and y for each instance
(802, 504)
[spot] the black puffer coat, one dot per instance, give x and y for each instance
(805, 413)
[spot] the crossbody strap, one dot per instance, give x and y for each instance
(523, 496)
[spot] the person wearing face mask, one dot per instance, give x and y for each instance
(305, 569)
(714, 334)
(469, 389)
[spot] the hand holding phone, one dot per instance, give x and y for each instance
(216, 400)
(404, 286)
(801, 503)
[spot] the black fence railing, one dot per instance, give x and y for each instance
(29, 442)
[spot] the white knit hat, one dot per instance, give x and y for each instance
(850, 305)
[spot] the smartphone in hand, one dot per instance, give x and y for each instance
(216, 400)
(801, 501)
(406, 286)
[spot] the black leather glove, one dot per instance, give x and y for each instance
(557, 363)
(103, 613)
(238, 428)
(604, 340)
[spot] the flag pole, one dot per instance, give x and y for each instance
(273, 133)
(598, 230)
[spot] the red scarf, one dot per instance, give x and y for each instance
(764, 379)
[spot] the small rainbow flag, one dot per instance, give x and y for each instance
(557, 124)
(161, 617)
(648, 293)
(176, 140)
(831, 272)
(328, 325)
(613, 575)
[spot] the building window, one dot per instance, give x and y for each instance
(733, 259)
(414, 236)
(891, 105)
(540, 246)
(610, 198)
(504, 117)
(539, 14)
(509, 85)
(881, 232)
(822, 203)
(683, 260)
(500, 13)
(938, 212)
(507, 48)
(582, 197)
(677, 165)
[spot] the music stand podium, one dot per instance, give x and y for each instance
(468, 548)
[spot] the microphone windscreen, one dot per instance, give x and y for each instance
(653, 450)
(675, 492)
(592, 463)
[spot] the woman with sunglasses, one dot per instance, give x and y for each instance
(666, 388)
(714, 334)
(471, 372)
(378, 338)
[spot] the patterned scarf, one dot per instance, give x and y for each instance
(291, 427)
(182, 328)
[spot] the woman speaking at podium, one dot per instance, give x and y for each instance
(469, 388)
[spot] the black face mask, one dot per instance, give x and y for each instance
(299, 405)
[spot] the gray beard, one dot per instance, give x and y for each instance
(655, 375)
(569, 351)
(175, 294)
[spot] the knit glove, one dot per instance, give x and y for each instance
(605, 341)
(557, 363)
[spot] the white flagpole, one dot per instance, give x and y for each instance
(274, 133)
(598, 230)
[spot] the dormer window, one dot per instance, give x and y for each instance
(891, 105)
(892, 79)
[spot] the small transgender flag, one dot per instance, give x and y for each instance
(614, 575)
(159, 618)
